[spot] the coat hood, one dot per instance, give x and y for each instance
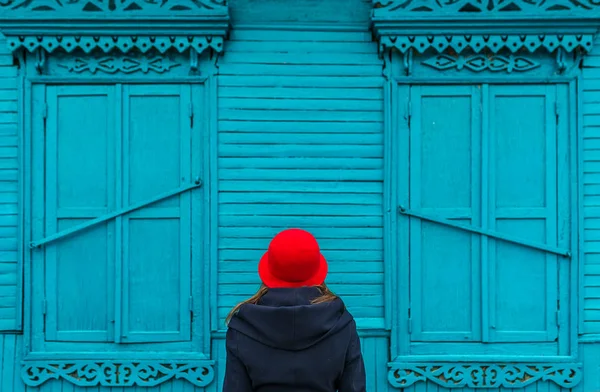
(286, 319)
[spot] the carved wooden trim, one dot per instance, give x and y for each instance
(476, 8)
(109, 43)
(494, 43)
(484, 375)
(481, 62)
(122, 25)
(145, 373)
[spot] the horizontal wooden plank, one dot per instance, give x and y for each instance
(8, 72)
(319, 127)
(348, 199)
(591, 62)
(299, 104)
(8, 232)
(299, 70)
(301, 221)
(591, 315)
(591, 234)
(591, 178)
(9, 280)
(9, 290)
(8, 175)
(591, 132)
(591, 281)
(8, 106)
(591, 143)
(301, 186)
(8, 268)
(8, 302)
(319, 232)
(322, 163)
(299, 115)
(592, 269)
(6, 59)
(291, 151)
(8, 152)
(592, 304)
(591, 292)
(230, 267)
(8, 244)
(591, 166)
(591, 258)
(592, 247)
(591, 80)
(300, 210)
(9, 256)
(264, 79)
(591, 97)
(8, 83)
(306, 47)
(9, 94)
(8, 313)
(8, 220)
(297, 174)
(266, 36)
(301, 138)
(8, 118)
(301, 58)
(9, 324)
(9, 197)
(298, 93)
(591, 120)
(327, 244)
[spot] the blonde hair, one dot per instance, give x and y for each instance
(326, 296)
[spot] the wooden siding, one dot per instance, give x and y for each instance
(301, 144)
(10, 289)
(591, 192)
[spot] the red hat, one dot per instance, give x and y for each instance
(293, 260)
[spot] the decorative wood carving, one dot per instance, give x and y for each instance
(478, 375)
(481, 62)
(117, 373)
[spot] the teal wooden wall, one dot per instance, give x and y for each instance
(335, 123)
(333, 129)
(591, 192)
(9, 195)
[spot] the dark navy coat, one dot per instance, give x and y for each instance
(285, 344)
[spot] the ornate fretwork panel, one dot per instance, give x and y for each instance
(478, 375)
(129, 7)
(504, 65)
(122, 44)
(118, 373)
(494, 43)
(98, 64)
(114, 25)
(488, 7)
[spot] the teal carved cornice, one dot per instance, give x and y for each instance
(565, 25)
(109, 25)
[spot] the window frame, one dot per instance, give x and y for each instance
(397, 112)
(204, 126)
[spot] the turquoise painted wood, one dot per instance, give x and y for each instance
(489, 156)
(305, 115)
(137, 143)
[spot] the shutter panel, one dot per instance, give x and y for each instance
(493, 159)
(156, 249)
(445, 181)
(522, 200)
(79, 181)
